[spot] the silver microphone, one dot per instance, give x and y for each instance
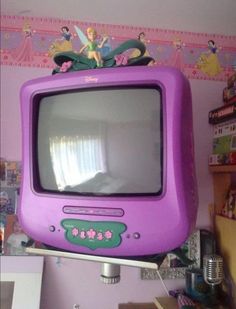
(213, 269)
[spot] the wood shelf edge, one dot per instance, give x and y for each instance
(222, 168)
(226, 219)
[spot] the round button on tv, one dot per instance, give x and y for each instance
(136, 235)
(52, 228)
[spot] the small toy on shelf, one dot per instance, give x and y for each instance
(229, 207)
(229, 92)
(229, 95)
(15, 238)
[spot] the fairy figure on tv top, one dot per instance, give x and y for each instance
(92, 45)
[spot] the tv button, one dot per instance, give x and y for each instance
(52, 228)
(136, 235)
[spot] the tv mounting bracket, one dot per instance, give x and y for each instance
(110, 266)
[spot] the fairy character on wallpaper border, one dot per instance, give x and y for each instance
(24, 53)
(208, 62)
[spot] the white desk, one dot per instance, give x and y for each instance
(23, 275)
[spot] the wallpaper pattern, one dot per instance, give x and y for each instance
(32, 42)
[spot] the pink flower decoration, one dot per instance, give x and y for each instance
(91, 234)
(99, 236)
(121, 59)
(108, 234)
(65, 66)
(82, 235)
(75, 232)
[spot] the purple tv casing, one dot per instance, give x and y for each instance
(106, 225)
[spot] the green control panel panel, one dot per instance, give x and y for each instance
(93, 234)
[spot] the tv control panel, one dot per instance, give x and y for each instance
(93, 234)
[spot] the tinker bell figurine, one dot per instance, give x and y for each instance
(92, 46)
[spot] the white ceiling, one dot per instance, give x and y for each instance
(211, 16)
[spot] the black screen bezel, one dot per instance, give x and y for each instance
(35, 119)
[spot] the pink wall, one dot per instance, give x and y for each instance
(19, 264)
(11, 80)
(78, 282)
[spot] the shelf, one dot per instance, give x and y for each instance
(93, 258)
(226, 231)
(222, 168)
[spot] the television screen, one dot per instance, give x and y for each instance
(101, 141)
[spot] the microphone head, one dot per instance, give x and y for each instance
(213, 269)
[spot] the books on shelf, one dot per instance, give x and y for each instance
(229, 92)
(224, 144)
(228, 110)
(229, 95)
(222, 159)
(224, 129)
(228, 209)
(231, 81)
(222, 113)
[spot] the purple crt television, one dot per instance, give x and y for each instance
(108, 161)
